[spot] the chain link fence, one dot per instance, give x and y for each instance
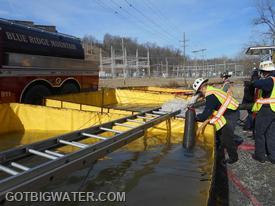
(198, 71)
(120, 65)
(171, 71)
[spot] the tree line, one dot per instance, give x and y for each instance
(158, 54)
(265, 16)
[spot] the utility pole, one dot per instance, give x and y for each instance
(122, 46)
(184, 45)
(124, 60)
(166, 66)
(112, 62)
(148, 63)
(137, 64)
(125, 70)
(101, 60)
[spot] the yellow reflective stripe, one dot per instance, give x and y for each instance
(260, 101)
(221, 110)
(216, 120)
(222, 96)
(217, 93)
(234, 102)
(224, 106)
(220, 122)
(266, 101)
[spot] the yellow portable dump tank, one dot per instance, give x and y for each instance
(154, 169)
(25, 124)
(121, 101)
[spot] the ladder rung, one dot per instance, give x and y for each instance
(80, 144)
(125, 125)
(142, 117)
(19, 166)
(8, 170)
(110, 130)
(41, 154)
(54, 153)
(93, 136)
(75, 144)
(159, 112)
(154, 115)
(136, 121)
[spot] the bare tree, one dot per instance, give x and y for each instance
(266, 16)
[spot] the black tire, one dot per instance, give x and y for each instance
(68, 88)
(35, 94)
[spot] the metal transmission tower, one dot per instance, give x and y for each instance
(184, 45)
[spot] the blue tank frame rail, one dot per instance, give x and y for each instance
(23, 178)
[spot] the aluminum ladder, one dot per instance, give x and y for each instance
(20, 177)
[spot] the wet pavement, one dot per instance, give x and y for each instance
(247, 182)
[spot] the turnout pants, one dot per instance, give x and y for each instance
(265, 133)
(226, 134)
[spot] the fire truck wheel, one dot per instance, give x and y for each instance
(35, 94)
(69, 88)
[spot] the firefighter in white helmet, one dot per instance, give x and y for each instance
(221, 111)
(264, 106)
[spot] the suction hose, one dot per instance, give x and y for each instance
(189, 129)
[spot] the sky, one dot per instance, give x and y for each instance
(222, 27)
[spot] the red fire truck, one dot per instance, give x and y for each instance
(35, 63)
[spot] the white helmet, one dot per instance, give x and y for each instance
(267, 66)
(198, 82)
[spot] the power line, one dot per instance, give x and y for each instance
(151, 20)
(139, 21)
(158, 26)
(160, 14)
(104, 6)
(117, 13)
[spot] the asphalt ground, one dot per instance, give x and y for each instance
(247, 182)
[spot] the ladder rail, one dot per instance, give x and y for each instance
(48, 170)
(20, 152)
(62, 165)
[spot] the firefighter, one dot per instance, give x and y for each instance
(221, 111)
(226, 87)
(264, 106)
(249, 97)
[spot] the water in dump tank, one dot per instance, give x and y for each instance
(155, 173)
(152, 170)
